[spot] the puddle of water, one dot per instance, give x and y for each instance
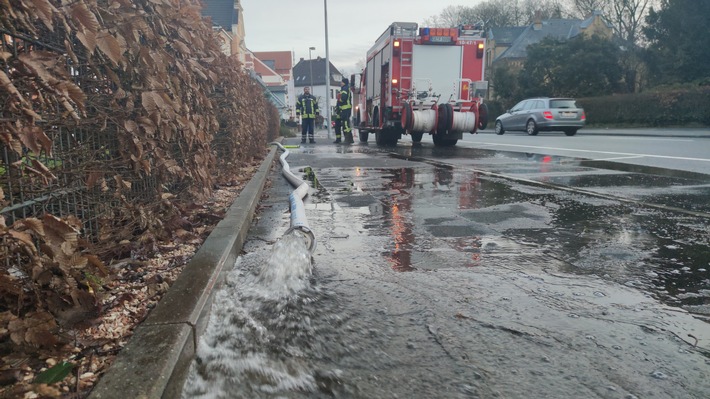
(434, 217)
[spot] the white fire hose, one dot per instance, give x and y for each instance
(299, 223)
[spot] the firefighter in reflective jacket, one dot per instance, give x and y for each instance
(307, 108)
(336, 122)
(344, 110)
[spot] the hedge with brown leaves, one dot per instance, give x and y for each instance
(127, 105)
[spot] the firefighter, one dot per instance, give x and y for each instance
(338, 125)
(345, 107)
(307, 109)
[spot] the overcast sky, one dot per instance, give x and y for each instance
(353, 26)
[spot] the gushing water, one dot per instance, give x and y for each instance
(289, 267)
(260, 319)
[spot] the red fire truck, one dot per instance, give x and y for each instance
(422, 80)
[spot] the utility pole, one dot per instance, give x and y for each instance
(327, 67)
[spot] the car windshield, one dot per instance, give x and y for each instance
(565, 103)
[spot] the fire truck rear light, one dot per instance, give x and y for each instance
(394, 81)
(396, 43)
(479, 50)
(548, 115)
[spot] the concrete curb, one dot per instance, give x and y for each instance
(155, 362)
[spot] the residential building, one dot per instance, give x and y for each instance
(227, 18)
(276, 85)
(508, 45)
(281, 63)
(312, 73)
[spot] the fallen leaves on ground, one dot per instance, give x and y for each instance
(137, 287)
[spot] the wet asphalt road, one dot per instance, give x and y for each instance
(465, 273)
(677, 149)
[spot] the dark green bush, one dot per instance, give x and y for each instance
(673, 107)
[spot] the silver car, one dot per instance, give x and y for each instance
(543, 114)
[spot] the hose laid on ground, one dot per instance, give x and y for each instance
(299, 222)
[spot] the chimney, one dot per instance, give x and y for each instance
(537, 21)
(302, 59)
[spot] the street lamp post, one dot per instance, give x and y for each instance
(310, 65)
(327, 67)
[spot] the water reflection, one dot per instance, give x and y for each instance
(398, 207)
(439, 216)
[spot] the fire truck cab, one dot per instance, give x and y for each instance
(422, 80)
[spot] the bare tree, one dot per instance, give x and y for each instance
(585, 8)
(546, 8)
(449, 17)
(492, 14)
(497, 13)
(626, 16)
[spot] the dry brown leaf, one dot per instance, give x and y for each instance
(182, 47)
(33, 224)
(93, 178)
(32, 114)
(39, 62)
(58, 231)
(34, 139)
(108, 45)
(10, 87)
(44, 10)
(148, 102)
(34, 329)
(88, 39)
(94, 261)
(24, 238)
(131, 126)
(43, 169)
(81, 13)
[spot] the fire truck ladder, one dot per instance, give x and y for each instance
(405, 61)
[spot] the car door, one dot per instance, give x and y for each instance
(535, 111)
(517, 116)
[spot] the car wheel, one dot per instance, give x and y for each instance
(499, 128)
(571, 132)
(531, 128)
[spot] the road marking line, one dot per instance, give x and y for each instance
(617, 158)
(646, 139)
(600, 152)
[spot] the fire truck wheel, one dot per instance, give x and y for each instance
(482, 116)
(440, 141)
(450, 110)
(363, 135)
(417, 137)
(444, 119)
(407, 116)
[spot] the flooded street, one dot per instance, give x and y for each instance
(462, 273)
